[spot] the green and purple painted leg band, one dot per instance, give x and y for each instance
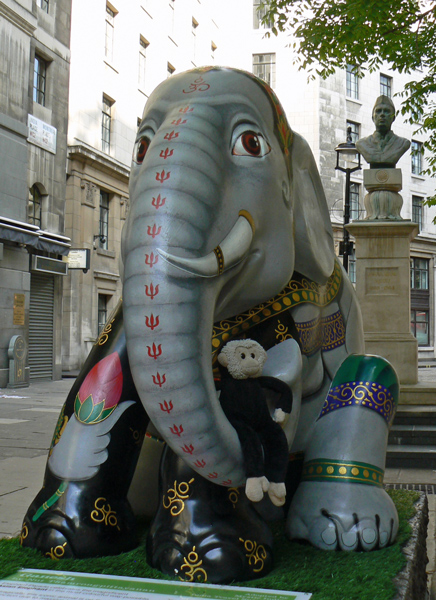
(325, 469)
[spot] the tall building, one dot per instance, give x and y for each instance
(34, 76)
(120, 51)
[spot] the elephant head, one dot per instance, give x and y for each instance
(226, 202)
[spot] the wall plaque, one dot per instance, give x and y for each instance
(19, 313)
(382, 281)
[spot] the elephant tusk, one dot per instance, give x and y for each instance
(232, 250)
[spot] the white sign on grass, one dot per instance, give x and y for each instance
(33, 584)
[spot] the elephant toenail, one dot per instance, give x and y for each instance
(368, 535)
(383, 537)
(329, 536)
(349, 539)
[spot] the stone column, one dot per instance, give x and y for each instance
(383, 290)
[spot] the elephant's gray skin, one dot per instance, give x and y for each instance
(228, 235)
(217, 171)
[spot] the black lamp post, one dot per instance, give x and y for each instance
(348, 151)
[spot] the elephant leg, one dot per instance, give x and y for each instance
(82, 508)
(340, 502)
(206, 532)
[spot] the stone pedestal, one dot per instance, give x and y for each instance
(383, 290)
(383, 200)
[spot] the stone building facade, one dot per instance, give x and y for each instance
(34, 77)
(129, 48)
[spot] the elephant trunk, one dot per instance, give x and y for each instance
(170, 292)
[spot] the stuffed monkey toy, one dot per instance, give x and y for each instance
(263, 441)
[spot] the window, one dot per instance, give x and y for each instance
(259, 10)
(106, 121)
(264, 67)
(419, 326)
(385, 86)
(143, 44)
(170, 69)
(103, 302)
(417, 211)
(103, 228)
(39, 80)
(110, 33)
(353, 129)
(416, 150)
(354, 201)
(352, 82)
(42, 4)
(419, 274)
(34, 206)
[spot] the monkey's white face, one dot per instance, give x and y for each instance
(243, 359)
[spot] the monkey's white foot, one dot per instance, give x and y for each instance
(255, 487)
(277, 493)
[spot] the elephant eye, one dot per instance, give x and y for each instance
(140, 149)
(250, 143)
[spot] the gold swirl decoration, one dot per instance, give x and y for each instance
(24, 533)
(104, 335)
(311, 336)
(299, 290)
(333, 331)
(255, 553)
(174, 499)
(360, 393)
(56, 553)
(234, 496)
(104, 514)
(192, 568)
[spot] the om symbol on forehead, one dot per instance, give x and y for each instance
(199, 85)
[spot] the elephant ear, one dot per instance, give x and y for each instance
(314, 247)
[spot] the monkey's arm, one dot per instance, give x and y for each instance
(277, 385)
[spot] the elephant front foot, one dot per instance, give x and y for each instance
(71, 519)
(338, 516)
(203, 532)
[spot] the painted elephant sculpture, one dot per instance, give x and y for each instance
(228, 236)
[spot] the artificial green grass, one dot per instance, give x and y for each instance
(298, 567)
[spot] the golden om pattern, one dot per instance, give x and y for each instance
(282, 332)
(192, 569)
(234, 496)
(24, 533)
(104, 335)
(56, 553)
(104, 514)
(255, 553)
(174, 499)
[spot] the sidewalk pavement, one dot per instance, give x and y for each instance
(27, 421)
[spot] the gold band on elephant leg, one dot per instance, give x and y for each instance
(220, 259)
(325, 469)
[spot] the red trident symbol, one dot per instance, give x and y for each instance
(152, 291)
(188, 449)
(155, 352)
(171, 136)
(158, 202)
(186, 109)
(178, 122)
(166, 153)
(213, 475)
(151, 259)
(153, 231)
(152, 322)
(162, 176)
(227, 482)
(200, 464)
(159, 379)
(165, 407)
(176, 430)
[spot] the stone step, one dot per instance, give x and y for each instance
(423, 435)
(411, 456)
(415, 415)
